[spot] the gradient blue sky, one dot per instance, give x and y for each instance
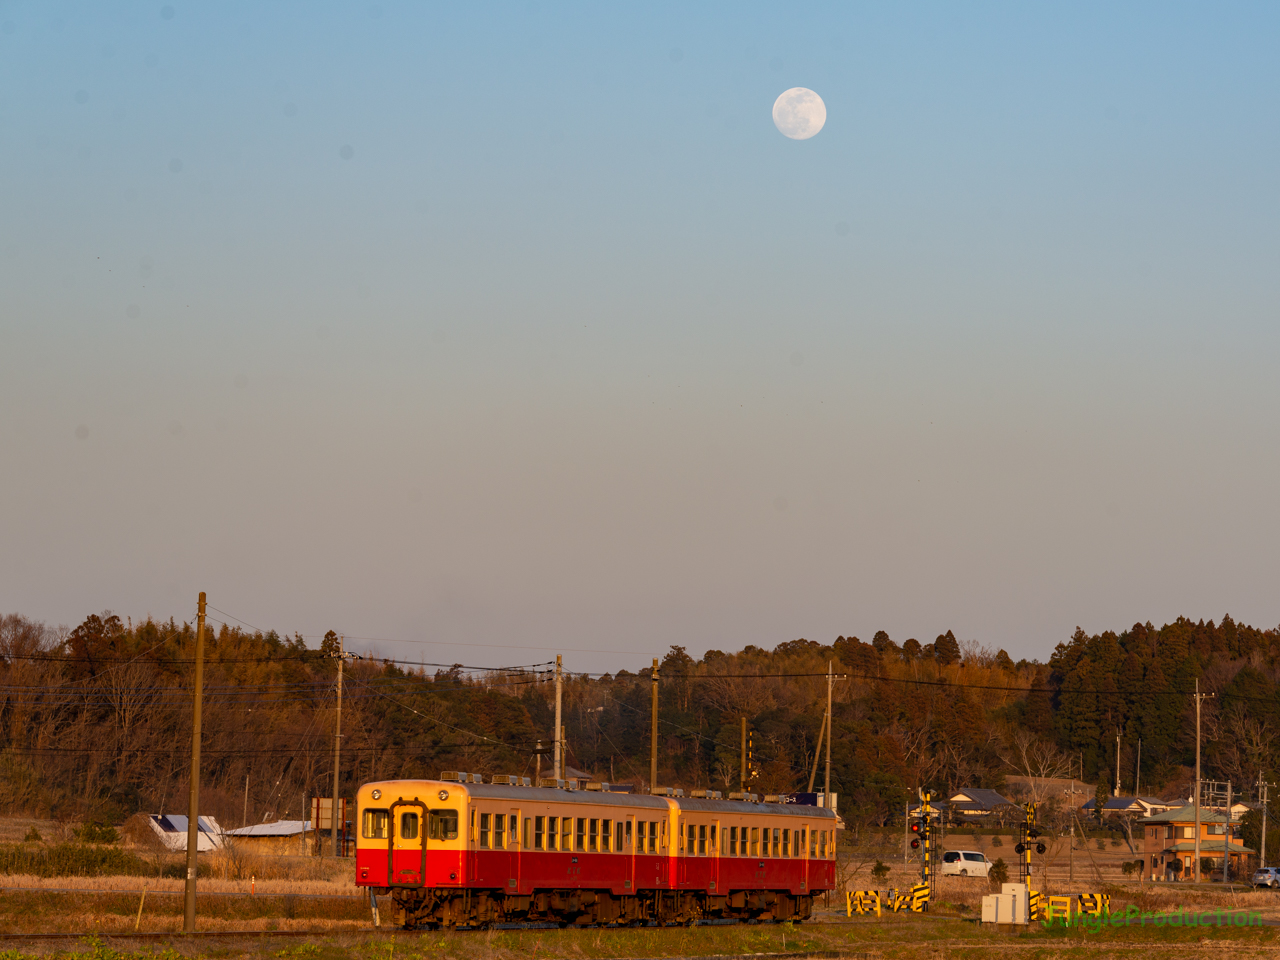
(521, 325)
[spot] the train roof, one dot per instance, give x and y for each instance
(498, 791)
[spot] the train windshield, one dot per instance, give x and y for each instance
(443, 825)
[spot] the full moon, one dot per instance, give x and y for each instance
(799, 113)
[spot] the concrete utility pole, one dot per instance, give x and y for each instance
(193, 798)
(826, 788)
(653, 733)
(556, 761)
(742, 776)
(337, 750)
(1226, 841)
(1196, 799)
(1262, 795)
(1071, 844)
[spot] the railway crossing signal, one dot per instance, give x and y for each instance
(1028, 840)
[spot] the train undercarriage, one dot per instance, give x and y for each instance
(450, 907)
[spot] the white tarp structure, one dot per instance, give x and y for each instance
(172, 830)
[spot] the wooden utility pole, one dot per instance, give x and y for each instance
(244, 820)
(1117, 793)
(337, 750)
(1262, 795)
(742, 777)
(826, 788)
(557, 760)
(193, 797)
(653, 733)
(817, 752)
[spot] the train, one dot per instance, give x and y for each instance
(459, 852)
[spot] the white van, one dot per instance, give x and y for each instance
(965, 863)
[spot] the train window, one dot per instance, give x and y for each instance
(375, 824)
(513, 827)
(702, 840)
(653, 836)
(755, 841)
(628, 829)
(524, 840)
(473, 825)
(443, 824)
(582, 833)
(566, 834)
(777, 842)
(539, 832)
(733, 841)
(484, 830)
(553, 831)
(499, 831)
(408, 826)
(606, 835)
(813, 841)
(593, 836)
(786, 843)
(822, 844)
(712, 840)
(693, 833)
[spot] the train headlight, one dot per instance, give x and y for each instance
(377, 794)
(443, 794)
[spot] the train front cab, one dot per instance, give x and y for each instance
(410, 835)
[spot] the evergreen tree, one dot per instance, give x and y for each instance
(946, 650)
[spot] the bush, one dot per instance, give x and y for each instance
(69, 860)
(880, 871)
(33, 836)
(1128, 867)
(999, 873)
(996, 841)
(94, 832)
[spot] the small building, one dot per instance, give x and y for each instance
(1169, 843)
(171, 829)
(278, 837)
(976, 802)
(1135, 806)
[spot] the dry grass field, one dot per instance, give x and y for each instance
(316, 898)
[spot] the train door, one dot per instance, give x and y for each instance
(407, 854)
(633, 846)
(713, 851)
(512, 878)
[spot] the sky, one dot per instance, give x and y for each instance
(482, 332)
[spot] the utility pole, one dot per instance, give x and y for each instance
(557, 760)
(337, 749)
(193, 799)
(1071, 843)
(1262, 795)
(742, 776)
(653, 733)
(1199, 697)
(1117, 793)
(244, 821)
(817, 752)
(826, 788)
(1226, 840)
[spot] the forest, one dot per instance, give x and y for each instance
(95, 721)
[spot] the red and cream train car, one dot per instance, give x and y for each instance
(452, 852)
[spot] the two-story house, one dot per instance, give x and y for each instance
(1169, 843)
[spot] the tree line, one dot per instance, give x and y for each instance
(95, 722)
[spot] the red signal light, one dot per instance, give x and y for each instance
(915, 843)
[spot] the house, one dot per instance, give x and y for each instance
(172, 831)
(1169, 843)
(975, 802)
(278, 837)
(1136, 806)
